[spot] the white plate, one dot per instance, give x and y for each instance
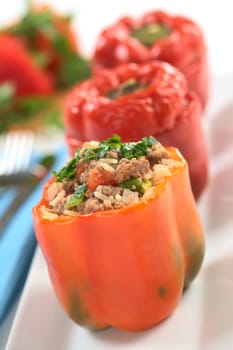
(204, 317)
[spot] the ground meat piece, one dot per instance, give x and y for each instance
(131, 168)
(58, 203)
(111, 190)
(89, 194)
(114, 204)
(69, 186)
(91, 205)
(157, 153)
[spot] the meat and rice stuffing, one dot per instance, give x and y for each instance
(108, 175)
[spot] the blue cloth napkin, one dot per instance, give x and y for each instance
(17, 243)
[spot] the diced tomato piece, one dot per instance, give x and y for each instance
(100, 176)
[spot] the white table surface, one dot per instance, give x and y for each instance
(215, 17)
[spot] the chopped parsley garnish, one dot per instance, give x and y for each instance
(138, 149)
(67, 172)
(77, 197)
(124, 150)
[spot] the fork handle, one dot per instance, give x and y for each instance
(22, 192)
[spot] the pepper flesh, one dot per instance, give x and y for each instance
(184, 47)
(165, 108)
(125, 268)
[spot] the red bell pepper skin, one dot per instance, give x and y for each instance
(17, 66)
(125, 268)
(165, 109)
(184, 48)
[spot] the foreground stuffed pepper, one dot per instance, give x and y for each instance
(135, 101)
(120, 232)
(161, 36)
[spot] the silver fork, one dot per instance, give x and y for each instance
(15, 154)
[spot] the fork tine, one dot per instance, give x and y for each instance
(6, 157)
(25, 146)
(16, 150)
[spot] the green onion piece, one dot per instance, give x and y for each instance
(77, 197)
(136, 185)
(148, 34)
(129, 86)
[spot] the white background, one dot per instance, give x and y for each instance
(215, 17)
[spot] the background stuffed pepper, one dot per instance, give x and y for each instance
(137, 100)
(51, 44)
(157, 36)
(39, 60)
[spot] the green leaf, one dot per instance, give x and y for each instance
(32, 23)
(32, 105)
(73, 69)
(7, 93)
(55, 118)
(77, 197)
(40, 58)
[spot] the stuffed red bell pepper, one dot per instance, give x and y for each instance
(161, 36)
(139, 100)
(120, 232)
